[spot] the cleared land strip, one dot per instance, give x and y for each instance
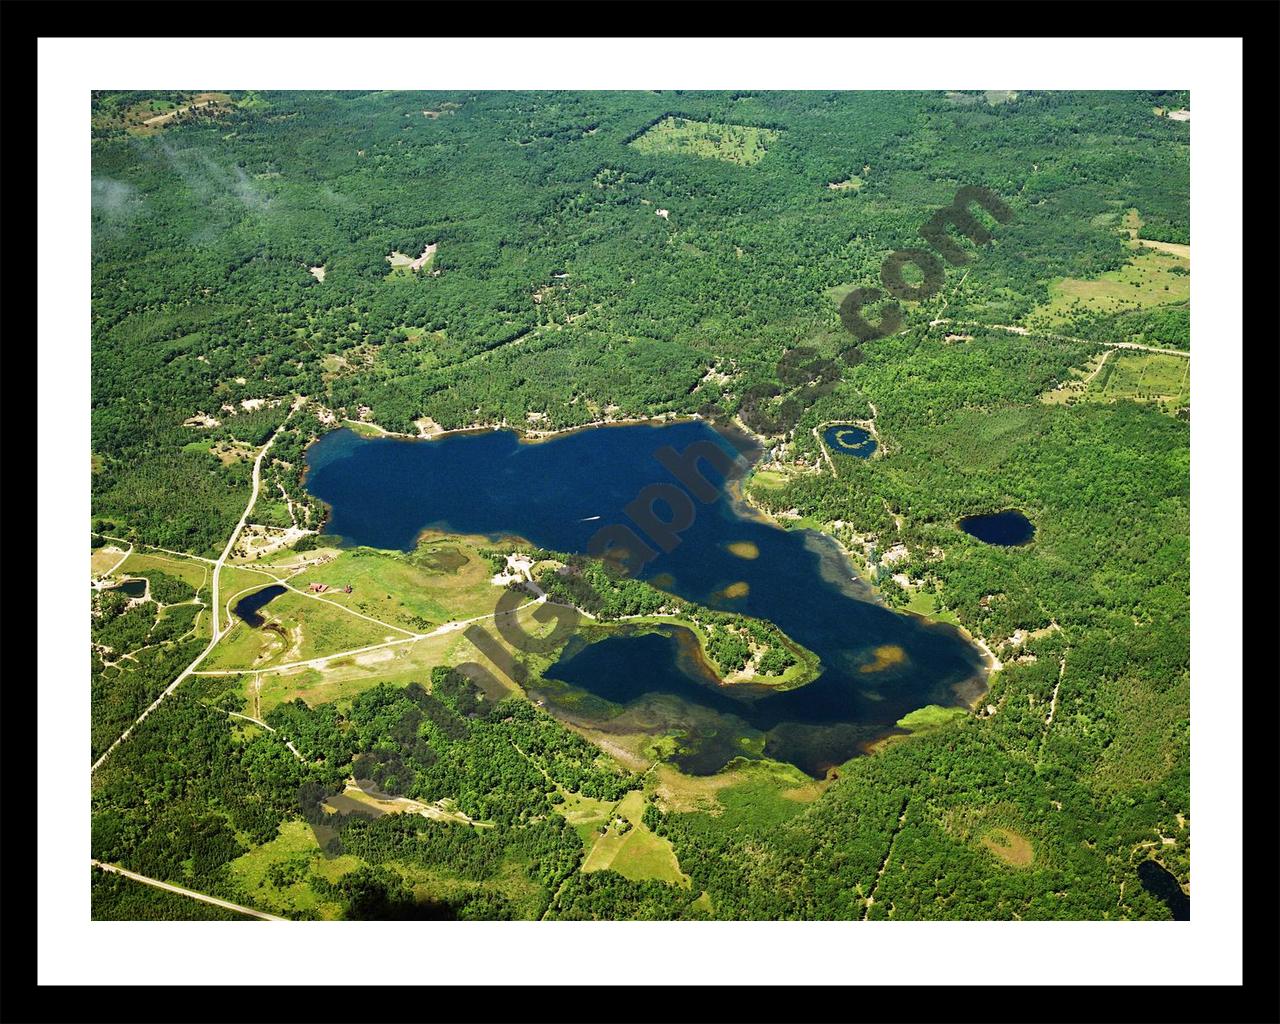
(1010, 329)
(152, 547)
(1053, 707)
(170, 115)
(871, 896)
(189, 893)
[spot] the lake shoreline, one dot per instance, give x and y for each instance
(527, 435)
(738, 496)
(824, 709)
(990, 663)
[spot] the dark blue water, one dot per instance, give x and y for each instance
(134, 588)
(557, 494)
(848, 440)
(1157, 881)
(247, 607)
(1007, 529)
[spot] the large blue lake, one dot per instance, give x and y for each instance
(877, 664)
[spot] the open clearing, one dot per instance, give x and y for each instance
(931, 716)
(297, 628)
(440, 581)
(104, 559)
(188, 570)
(226, 452)
(1010, 847)
(151, 116)
(587, 815)
(348, 675)
(1164, 380)
(1152, 277)
(683, 793)
(403, 265)
(402, 661)
(638, 853)
(771, 479)
(1176, 248)
(734, 143)
(291, 854)
(1075, 387)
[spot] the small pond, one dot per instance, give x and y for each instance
(1009, 528)
(846, 439)
(247, 607)
(134, 588)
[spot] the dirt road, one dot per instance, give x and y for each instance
(189, 893)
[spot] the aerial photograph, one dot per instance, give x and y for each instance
(664, 505)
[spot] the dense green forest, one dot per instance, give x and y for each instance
(191, 792)
(240, 260)
(555, 288)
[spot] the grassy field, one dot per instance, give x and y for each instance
(363, 429)
(1075, 387)
(1144, 377)
(1009, 847)
(735, 143)
(677, 791)
(347, 676)
(932, 716)
(921, 602)
(771, 479)
(104, 558)
(186, 569)
(1156, 377)
(638, 854)
(397, 665)
(297, 628)
(286, 560)
(292, 853)
(235, 581)
(1152, 277)
(226, 452)
(440, 581)
(587, 815)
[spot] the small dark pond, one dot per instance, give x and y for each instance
(1157, 881)
(134, 588)
(247, 607)
(1009, 528)
(844, 439)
